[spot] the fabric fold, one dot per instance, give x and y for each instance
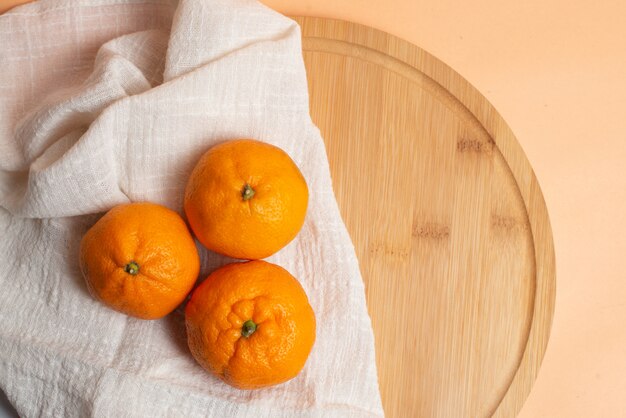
(109, 101)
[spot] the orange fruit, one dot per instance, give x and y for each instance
(246, 199)
(250, 324)
(140, 259)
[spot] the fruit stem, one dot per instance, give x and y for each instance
(248, 328)
(247, 192)
(132, 268)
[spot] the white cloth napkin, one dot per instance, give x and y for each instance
(104, 102)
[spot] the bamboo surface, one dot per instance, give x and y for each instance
(447, 218)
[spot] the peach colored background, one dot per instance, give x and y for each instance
(556, 71)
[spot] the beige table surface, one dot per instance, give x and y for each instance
(556, 71)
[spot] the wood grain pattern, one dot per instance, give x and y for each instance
(447, 218)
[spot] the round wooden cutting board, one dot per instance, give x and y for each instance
(447, 218)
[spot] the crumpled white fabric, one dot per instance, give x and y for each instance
(104, 102)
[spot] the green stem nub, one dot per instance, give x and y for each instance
(247, 192)
(132, 268)
(248, 328)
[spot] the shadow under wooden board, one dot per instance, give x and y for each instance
(447, 218)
